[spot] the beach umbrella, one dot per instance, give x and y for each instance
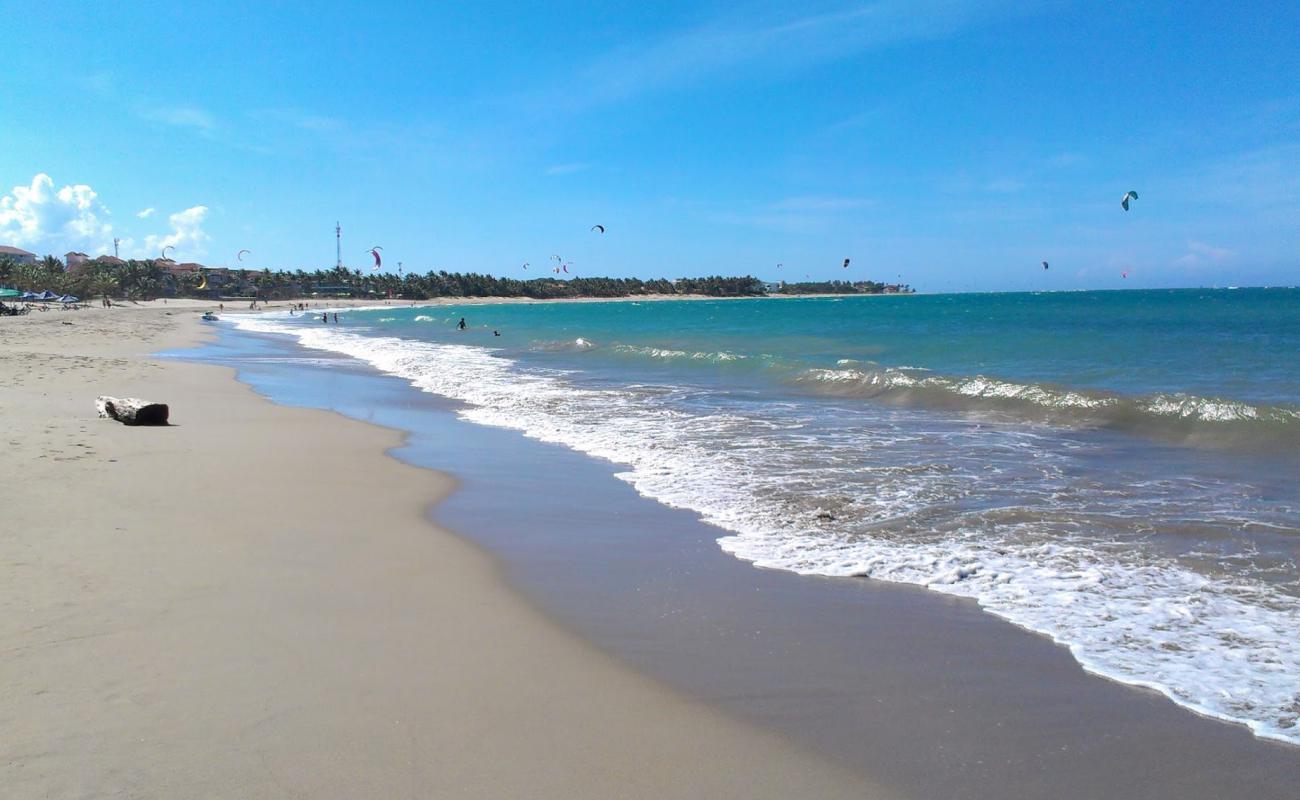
(67, 298)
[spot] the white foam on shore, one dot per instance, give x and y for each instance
(784, 490)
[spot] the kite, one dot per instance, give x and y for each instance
(203, 281)
(525, 265)
(566, 268)
(164, 251)
(600, 228)
(1124, 274)
(240, 255)
(778, 266)
(1044, 267)
(846, 263)
(374, 251)
(1131, 194)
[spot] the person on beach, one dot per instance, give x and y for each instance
(461, 324)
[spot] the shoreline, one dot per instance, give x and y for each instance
(266, 627)
(821, 660)
(237, 305)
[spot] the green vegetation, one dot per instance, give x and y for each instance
(460, 284)
(142, 280)
(841, 287)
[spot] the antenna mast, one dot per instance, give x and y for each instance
(338, 244)
(115, 242)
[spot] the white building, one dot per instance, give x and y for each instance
(17, 254)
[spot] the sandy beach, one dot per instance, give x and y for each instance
(251, 603)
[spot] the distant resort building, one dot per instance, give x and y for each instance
(176, 270)
(75, 262)
(17, 254)
(339, 290)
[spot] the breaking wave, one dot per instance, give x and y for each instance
(1183, 418)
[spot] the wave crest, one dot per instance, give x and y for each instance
(1183, 418)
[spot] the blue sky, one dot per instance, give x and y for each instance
(954, 144)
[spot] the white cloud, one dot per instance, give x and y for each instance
(771, 42)
(42, 218)
(45, 220)
(187, 235)
(317, 123)
(1201, 254)
(182, 117)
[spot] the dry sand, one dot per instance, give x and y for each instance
(250, 603)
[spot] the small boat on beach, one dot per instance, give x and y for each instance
(208, 316)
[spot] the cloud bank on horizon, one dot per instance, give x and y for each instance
(72, 218)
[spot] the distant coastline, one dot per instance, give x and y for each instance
(163, 278)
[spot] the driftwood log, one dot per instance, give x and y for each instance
(132, 410)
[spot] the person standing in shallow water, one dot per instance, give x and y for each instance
(461, 324)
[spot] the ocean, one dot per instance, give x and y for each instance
(1115, 470)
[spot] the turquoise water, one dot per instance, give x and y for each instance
(1234, 343)
(1116, 470)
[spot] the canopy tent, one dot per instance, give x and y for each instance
(67, 298)
(9, 294)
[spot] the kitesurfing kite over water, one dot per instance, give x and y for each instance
(1044, 265)
(846, 263)
(600, 228)
(525, 265)
(374, 251)
(240, 255)
(1131, 194)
